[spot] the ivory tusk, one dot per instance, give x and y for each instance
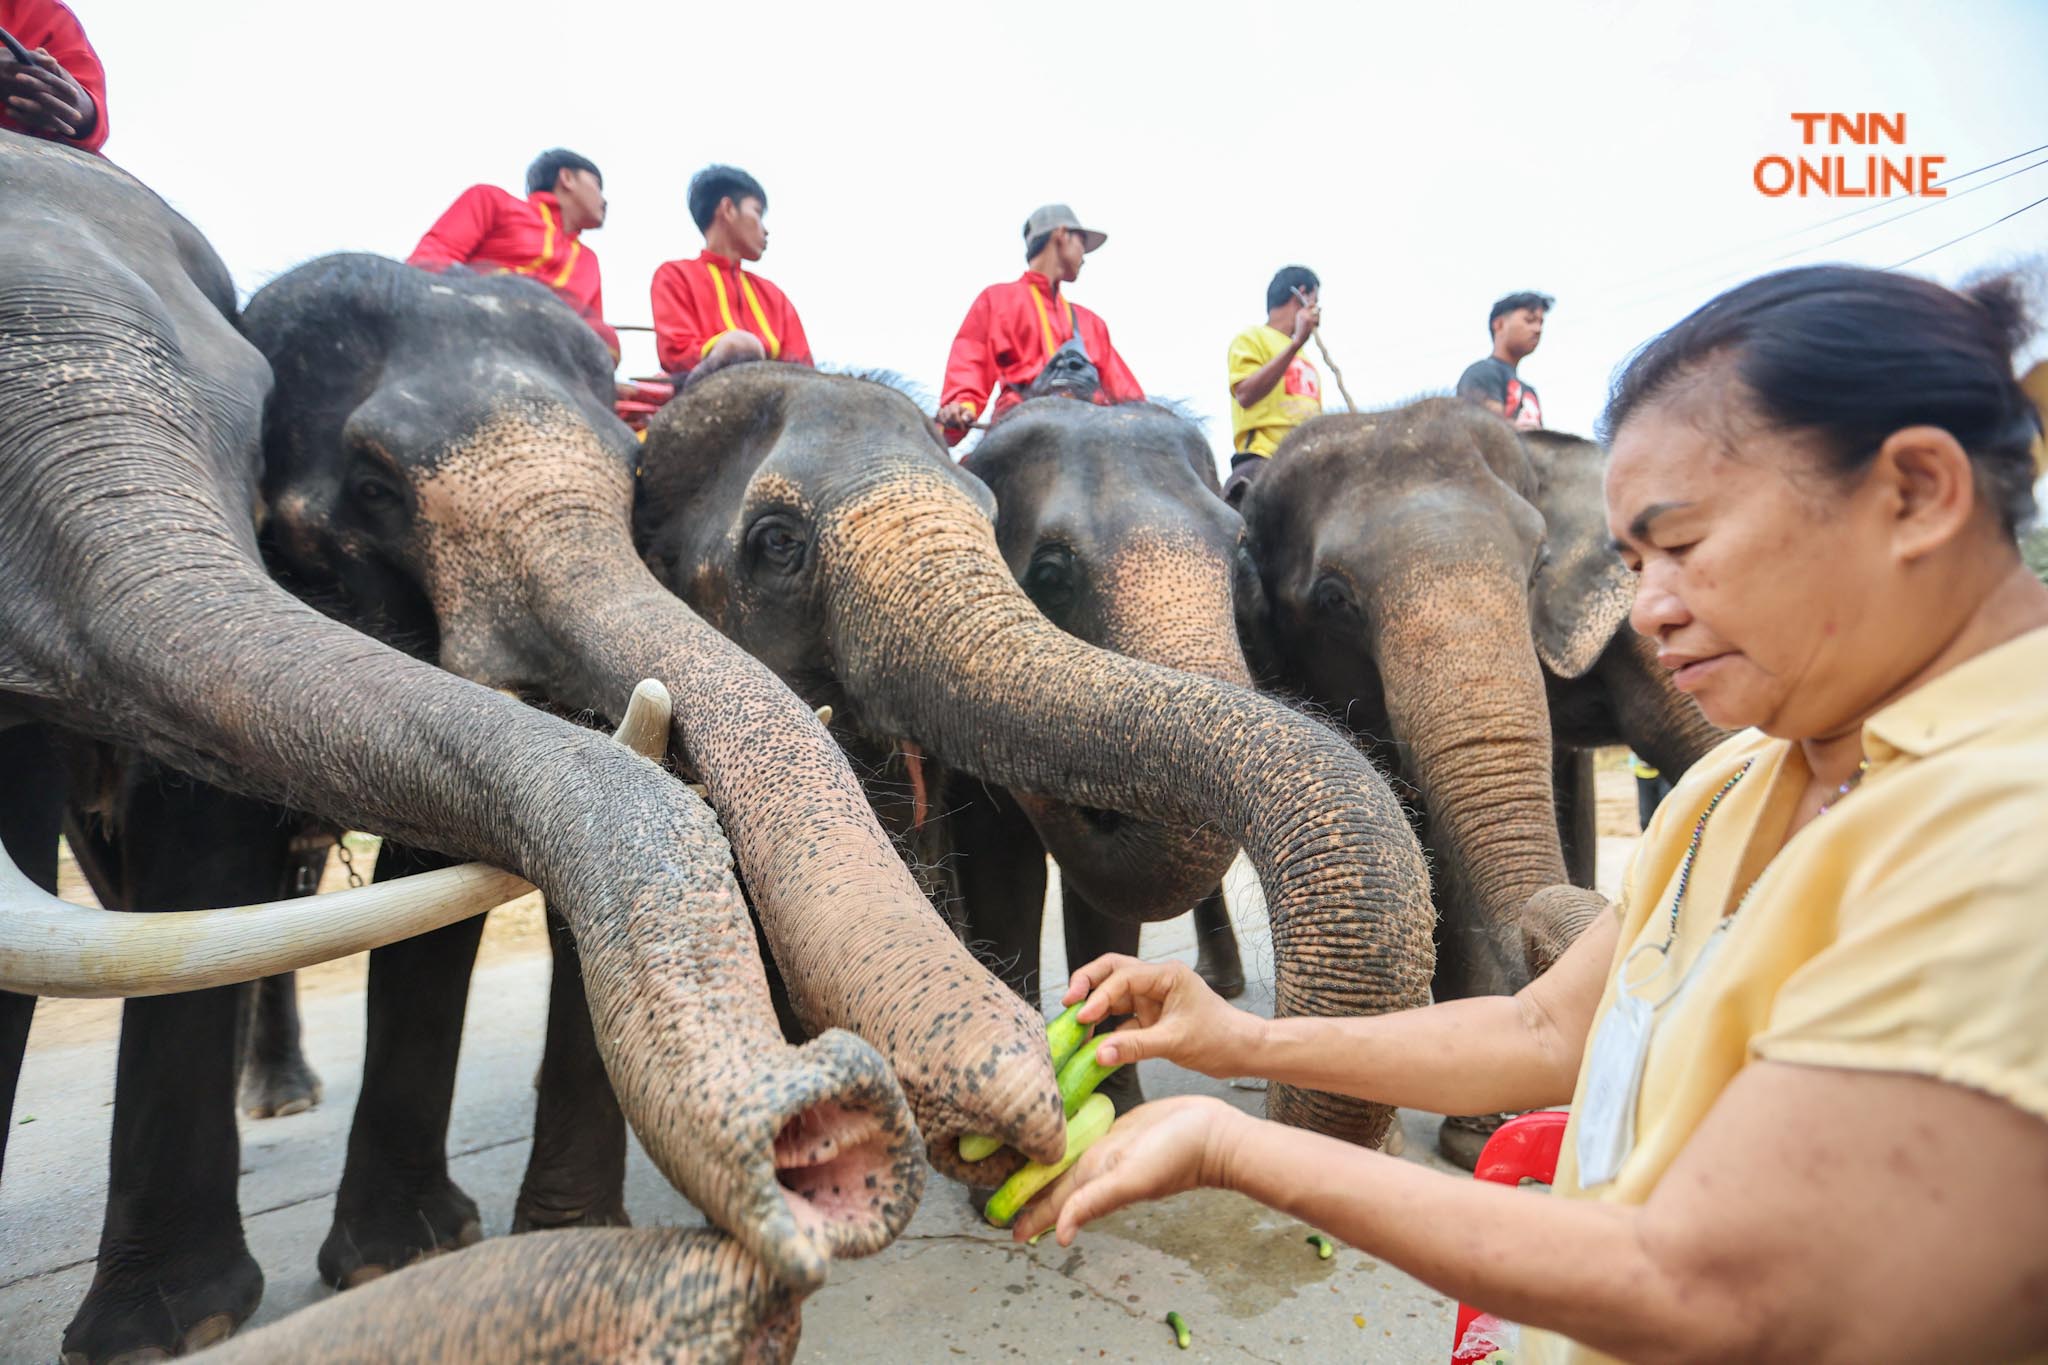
(51, 947)
(825, 716)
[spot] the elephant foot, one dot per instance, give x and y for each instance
(1463, 1136)
(1216, 957)
(277, 1089)
(539, 1212)
(141, 1310)
(388, 1229)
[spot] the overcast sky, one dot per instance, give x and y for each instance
(1423, 160)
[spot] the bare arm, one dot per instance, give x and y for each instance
(1817, 1215)
(1460, 1057)
(1261, 381)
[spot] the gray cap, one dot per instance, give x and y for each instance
(1046, 217)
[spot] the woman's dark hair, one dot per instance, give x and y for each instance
(1290, 278)
(1853, 355)
(715, 184)
(550, 164)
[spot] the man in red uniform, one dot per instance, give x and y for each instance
(61, 92)
(709, 312)
(1014, 331)
(493, 233)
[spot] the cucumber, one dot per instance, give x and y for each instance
(1081, 1074)
(1084, 1129)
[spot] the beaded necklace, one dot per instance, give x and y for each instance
(1699, 830)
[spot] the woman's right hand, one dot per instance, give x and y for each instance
(1175, 1016)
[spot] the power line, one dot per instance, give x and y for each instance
(1918, 208)
(1885, 202)
(1972, 233)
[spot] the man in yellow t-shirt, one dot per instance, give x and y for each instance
(1273, 387)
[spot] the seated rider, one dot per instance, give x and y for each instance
(1015, 331)
(709, 312)
(1807, 1053)
(493, 233)
(60, 92)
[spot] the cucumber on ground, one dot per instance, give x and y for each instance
(1084, 1129)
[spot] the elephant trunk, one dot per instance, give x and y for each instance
(585, 1294)
(857, 943)
(1465, 696)
(943, 648)
(1166, 599)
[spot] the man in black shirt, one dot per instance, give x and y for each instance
(1516, 324)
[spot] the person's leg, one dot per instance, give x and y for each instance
(730, 349)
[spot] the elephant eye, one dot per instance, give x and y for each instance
(1330, 595)
(1049, 580)
(375, 493)
(775, 542)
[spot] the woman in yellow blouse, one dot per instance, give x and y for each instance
(1807, 1055)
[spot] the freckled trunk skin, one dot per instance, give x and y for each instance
(858, 944)
(639, 1294)
(1465, 696)
(1166, 601)
(917, 590)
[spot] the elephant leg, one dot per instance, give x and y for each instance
(1090, 934)
(1000, 865)
(576, 1176)
(174, 1273)
(396, 1202)
(276, 1078)
(1216, 957)
(31, 812)
(1578, 827)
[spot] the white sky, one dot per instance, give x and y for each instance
(1423, 160)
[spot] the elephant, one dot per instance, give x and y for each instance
(135, 611)
(1448, 591)
(585, 1294)
(1111, 521)
(818, 521)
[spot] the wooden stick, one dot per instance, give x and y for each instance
(1335, 373)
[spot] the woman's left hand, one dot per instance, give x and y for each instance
(1156, 1150)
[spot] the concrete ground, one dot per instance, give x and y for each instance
(951, 1288)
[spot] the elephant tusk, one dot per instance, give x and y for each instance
(825, 716)
(51, 947)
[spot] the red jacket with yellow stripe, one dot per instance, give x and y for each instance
(1011, 332)
(493, 233)
(53, 27)
(698, 301)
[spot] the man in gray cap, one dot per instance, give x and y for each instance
(1028, 336)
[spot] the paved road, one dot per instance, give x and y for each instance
(950, 1288)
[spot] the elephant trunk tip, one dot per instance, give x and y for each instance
(849, 1164)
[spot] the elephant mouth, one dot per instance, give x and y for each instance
(838, 1168)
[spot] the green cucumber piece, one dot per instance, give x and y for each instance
(1084, 1129)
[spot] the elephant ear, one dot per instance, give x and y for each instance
(1582, 593)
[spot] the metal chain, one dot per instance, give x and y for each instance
(348, 862)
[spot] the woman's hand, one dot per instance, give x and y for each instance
(1176, 1017)
(1156, 1150)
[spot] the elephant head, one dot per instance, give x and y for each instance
(444, 469)
(818, 521)
(1414, 584)
(1111, 521)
